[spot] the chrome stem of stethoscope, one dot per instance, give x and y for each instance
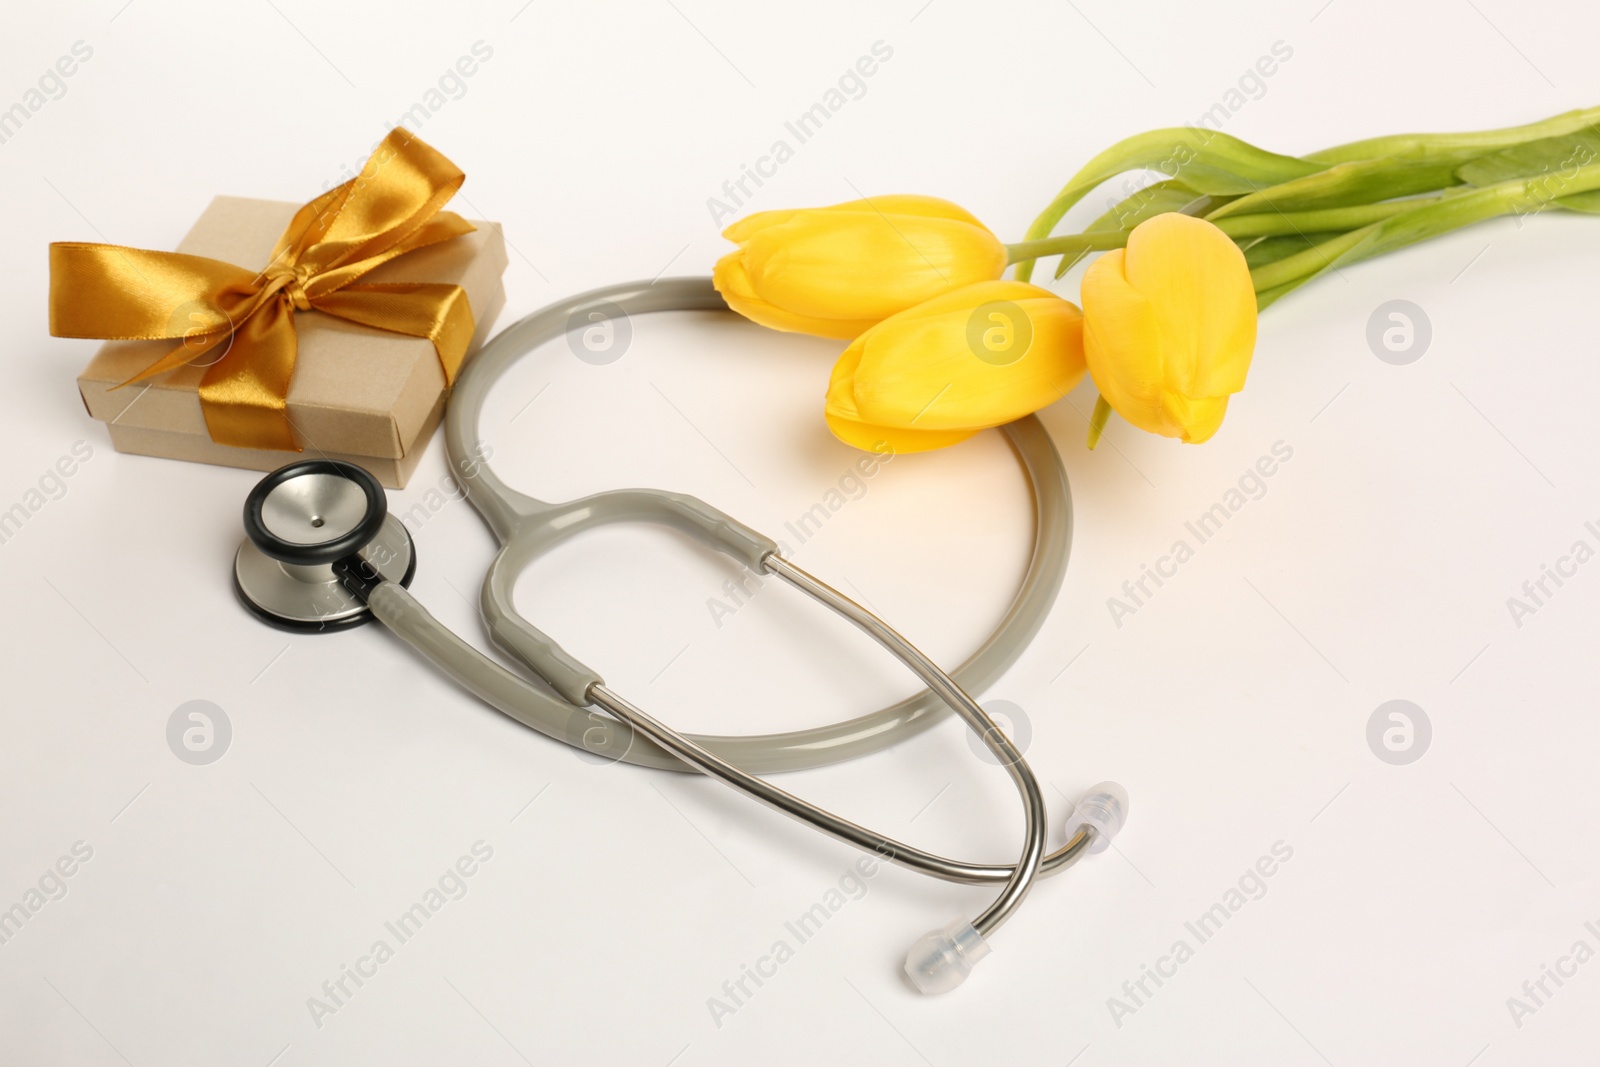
(975, 717)
(942, 959)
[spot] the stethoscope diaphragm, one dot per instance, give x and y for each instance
(300, 521)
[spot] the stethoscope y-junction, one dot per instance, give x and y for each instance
(323, 553)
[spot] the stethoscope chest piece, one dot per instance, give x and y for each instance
(302, 520)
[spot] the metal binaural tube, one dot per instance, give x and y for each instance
(1018, 879)
(910, 857)
(972, 714)
(516, 697)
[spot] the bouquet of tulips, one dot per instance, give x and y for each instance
(943, 346)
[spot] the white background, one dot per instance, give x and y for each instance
(1233, 706)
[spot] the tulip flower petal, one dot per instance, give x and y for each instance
(834, 271)
(1170, 326)
(1122, 345)
(864, 265)
(921, 370)
(1195, 419)
(871, 438)
(733, 283)
(750, 225)
(841, 399)
(928, 207)
(1198, 280)
(848, 426)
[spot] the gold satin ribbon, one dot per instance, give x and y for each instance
(392, 207)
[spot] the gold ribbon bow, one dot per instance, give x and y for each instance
(392, 207)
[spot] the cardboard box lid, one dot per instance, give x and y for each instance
(356, 390)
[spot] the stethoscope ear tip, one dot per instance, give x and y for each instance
(1104, 810)
(941, 959)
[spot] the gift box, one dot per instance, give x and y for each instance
(358, 393)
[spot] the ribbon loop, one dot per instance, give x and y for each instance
(392, 207)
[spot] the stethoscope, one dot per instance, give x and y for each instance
(323, 553)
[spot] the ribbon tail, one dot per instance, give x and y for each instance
(437, 311)
(190, 350)
(126, 294)
(244, 395)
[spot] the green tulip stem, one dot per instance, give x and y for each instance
(1098, 420)
(1482, 141)
(1267, 224)
(1302, 265)
(1066, 244)
(1430, 219)
(1239, 176)
(1328, 220)
(1207, 162)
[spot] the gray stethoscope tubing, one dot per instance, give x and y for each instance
(526, 527)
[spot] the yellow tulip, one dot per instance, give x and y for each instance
(835, 271)
(937, 373)
(1170, 326)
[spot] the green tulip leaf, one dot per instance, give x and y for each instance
(1157, 199)
(1584, 203)
(1351, 184)
(1260, 251)
(1324, 220)
(1550, 162)
(1551, 156)
(1205, 161)
(1430, 219)
(1479, 141)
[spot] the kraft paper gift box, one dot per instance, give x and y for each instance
(360, 394)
